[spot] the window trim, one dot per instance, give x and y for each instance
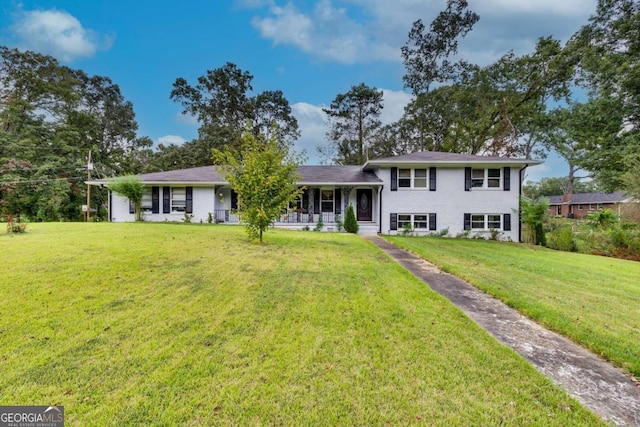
(175, 208)
(146, 204)
(412, 178)
(486, 178)
(486, 222)
(412, 221)
(323, 200)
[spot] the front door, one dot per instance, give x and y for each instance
(365, 208)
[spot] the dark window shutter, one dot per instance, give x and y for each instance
(506, 179)
(305, 200)
(393, 225)
(394, 179)
(316, 200)
(467, 179)
(432, 179)
(467, 221)
(234, 200)
(506, 222)
(155, 200)
(432, 221)
(131, 209)
(338, 201)
(189, 200)
(166, 199)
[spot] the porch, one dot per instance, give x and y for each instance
(327, 203)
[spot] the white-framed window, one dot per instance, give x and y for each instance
(580, 207)
(178, 199)
(592, 206)
(404, 178)
(486, 178)
(413, 221)
(412, 178)
(147, 200)
(599, 206)
(486, 222)
(326, 200)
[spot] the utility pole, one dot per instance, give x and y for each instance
(89, 169)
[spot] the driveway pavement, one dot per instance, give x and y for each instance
(599, 386)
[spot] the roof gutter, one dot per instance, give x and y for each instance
(519, 196)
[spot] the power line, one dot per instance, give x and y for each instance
(41, 180)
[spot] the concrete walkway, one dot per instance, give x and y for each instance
(603, 389)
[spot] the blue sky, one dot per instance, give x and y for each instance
(312, 50)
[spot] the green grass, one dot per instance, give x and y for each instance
(595, 301)
(169, 324)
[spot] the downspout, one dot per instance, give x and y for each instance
(519, 210)
(380, 209)
(109, 213)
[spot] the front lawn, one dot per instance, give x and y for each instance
(170, 324)
(593, 300)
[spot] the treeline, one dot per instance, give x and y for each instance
(51, 116)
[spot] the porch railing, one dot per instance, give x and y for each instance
(300, 218)
(226, 216)
(221, 216)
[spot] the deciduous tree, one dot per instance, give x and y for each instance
(427, 55)
(264, 177)
(132, 188)
(221, 101)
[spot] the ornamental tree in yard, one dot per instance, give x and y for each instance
(263, 174)
(130, 187)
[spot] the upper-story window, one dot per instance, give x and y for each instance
(412, 178)
(486, 178)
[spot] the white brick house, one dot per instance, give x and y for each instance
(427, 192)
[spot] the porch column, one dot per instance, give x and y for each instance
(345, 198)
(311, 191)
(215, 196)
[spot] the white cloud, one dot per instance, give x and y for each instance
(364, 31)
(564, 7)
(312, 122)
(287, 26)
(170, 139)
(57, 33)
(553, 166)
(326, 31)
(394, 102)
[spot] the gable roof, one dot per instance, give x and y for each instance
(449, 159)
(584, 198)
(309, 175)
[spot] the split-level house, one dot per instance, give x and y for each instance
(426, 192)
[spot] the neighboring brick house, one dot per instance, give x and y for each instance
(580, 205)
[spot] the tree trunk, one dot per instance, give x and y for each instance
(572, 171)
